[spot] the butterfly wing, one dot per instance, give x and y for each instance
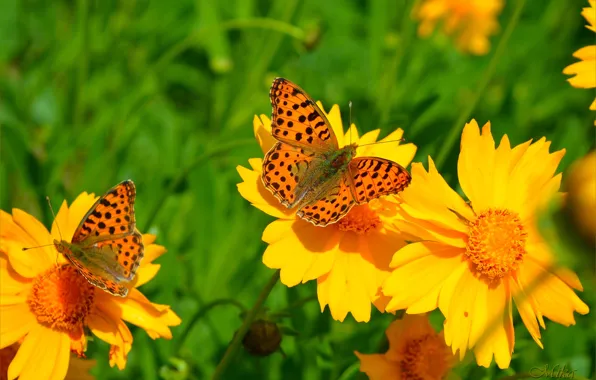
(111, 215)
(332, 207)
(283, 168)
(107, 247)
(372, 177)
(297, 120)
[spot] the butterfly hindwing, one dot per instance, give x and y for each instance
(372, 177)
(297, 120)
(331, 208)
(128, 251)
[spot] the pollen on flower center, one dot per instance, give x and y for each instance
(61, 298)
(424, 358)
(496, 243)
(360, 219)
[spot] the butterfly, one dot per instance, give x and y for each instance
(106, 248)
(307, 170)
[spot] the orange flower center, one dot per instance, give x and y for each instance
(425, 358)
(360, 219)
(496, 243)
(61, 299)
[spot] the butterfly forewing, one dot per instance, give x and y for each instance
(296, 119)
(112, 215)
(372, 177)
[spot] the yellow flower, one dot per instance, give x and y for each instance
(581, 198)
(471, 21)
(584, 72)
(78, 369)
(416, 351)
(473, 259)
(47, 304)
(349, 259)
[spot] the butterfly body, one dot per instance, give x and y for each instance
(308, 170)
(324, 174)
(106, 248)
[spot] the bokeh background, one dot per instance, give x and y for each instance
(164, 93)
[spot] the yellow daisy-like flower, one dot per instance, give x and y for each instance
(584, 72)
(416, 351)
(47, 304)
(474, 258)
(349, 259)
(470, 21)
(78, 369)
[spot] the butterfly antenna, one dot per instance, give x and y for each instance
(37, 246)
(54, 215)
(384, 142)
(350, 126)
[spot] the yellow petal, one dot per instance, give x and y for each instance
(253, 190)
(137, 310)
(300, 252)
(427, 265)
(152, 251)
(476, 164)
(113, 330)
(432, 197)
(526, 308)
(342, 293)
(11, 281)
(460, 313)
(69, 218)
(145, 273)
(498, 337)
(15, 322)
(554, 298)
(262, 130)
(44, 354)
(24, 231)
(378, 367)
(368, 137)
(277, 229)
(583, 71)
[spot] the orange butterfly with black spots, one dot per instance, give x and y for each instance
(308, 170)
(106, 248)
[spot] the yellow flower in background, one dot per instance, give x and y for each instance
(349, 259)
(416, 351)
(470, 22)
(47, 304)
(78, 369)
(581, 197)
(584, 72)
(473, 259)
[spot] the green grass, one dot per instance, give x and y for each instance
(95, 92)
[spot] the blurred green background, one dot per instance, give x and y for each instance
(164, 93)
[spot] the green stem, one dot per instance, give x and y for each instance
(221, 148)
(83, 62)
(249, 23)
(200, 314)
(407, 32)
(250, 317)
(486, 78)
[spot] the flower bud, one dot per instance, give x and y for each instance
(262, 339)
